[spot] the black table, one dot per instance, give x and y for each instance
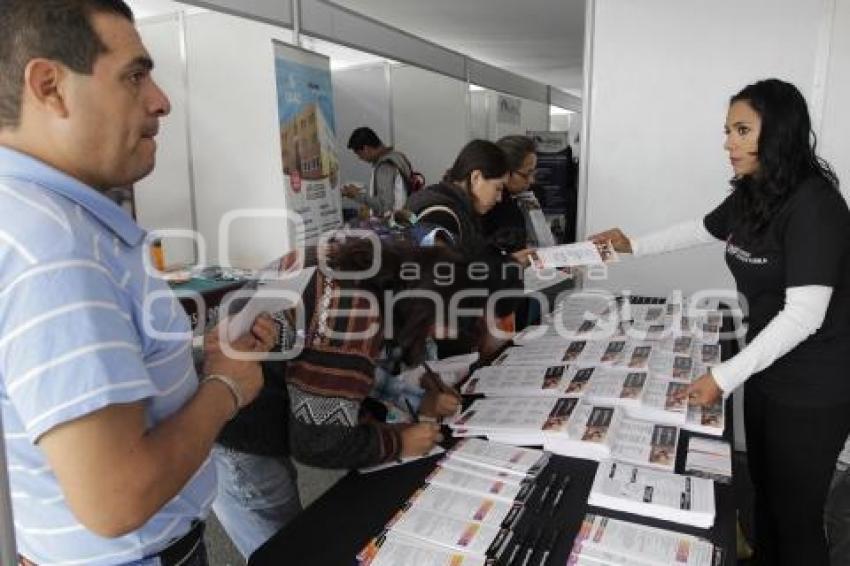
(335, 527)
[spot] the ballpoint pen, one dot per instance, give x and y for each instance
(546, 489)
(437, 380)
(565, 483)
(529, 550)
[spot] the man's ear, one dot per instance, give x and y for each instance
(45, 86)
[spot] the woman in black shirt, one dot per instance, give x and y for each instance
(787, 234)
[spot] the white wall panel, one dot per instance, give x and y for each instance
(835, 129)
(163, 198)
(361, 98)
(236, 142)
(430, 118)
(277, 12)
(661, 77)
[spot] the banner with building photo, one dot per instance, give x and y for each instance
(307, 138)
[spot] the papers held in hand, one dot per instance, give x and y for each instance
(573, 255)
(271, 296)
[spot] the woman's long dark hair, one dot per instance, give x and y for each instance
(406, 267)
(786, 153)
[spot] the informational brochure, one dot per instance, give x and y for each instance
(502, 457)
(573, 255)
(467, 483)
(646, 444)
(619, 542)
(665, 400)
(653, 493)
(524, 381)
(617, 386)
(707, 420)
(466, 506)
(467, 537)
(668, 364)
(485, 472)
(393, 550)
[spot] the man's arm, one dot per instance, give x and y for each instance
(116, 474)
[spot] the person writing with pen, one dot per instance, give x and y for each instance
(787, 233)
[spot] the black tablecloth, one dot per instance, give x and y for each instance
(332, 530)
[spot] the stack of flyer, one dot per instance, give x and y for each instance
(521, 421)
(460, 518)
(611, 542)
(653, 493)
(561, 380)
(616, 386)
(707, 420)
(569, 427)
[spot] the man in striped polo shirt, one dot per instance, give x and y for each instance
(107, 428)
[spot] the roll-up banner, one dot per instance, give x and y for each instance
(307, 138)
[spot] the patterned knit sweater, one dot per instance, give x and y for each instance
(315, 414)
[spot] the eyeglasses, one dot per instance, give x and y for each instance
(527, 175)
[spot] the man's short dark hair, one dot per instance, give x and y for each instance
(363, 137)
(60, 30)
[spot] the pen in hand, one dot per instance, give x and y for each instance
(413, 414)
(437, 381)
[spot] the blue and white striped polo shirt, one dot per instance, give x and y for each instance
(73, 294)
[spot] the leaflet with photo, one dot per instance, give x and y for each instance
(646, 444)
(707, 420)
(589, 433)
(523, 381)
(665, 400)
(516, 415)
(616, 386)
(653, 493)
(668, 364)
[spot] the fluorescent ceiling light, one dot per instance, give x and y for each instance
(476, 88)
(556, 111)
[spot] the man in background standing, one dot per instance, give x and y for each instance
(393, 178)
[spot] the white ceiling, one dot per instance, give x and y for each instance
(540, 39)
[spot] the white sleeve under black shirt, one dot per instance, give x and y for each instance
(794, 278)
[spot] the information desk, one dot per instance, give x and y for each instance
(335, 527)
(338, 525)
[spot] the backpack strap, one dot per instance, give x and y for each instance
(446, 209)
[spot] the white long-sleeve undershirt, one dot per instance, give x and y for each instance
(677, 237)
(802, 315)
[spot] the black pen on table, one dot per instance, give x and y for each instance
(550, 542)
(529, 549)
(565, 483)
(547, 488)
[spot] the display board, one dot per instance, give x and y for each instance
(555, 186)
(308, 138)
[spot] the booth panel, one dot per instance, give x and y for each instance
(834, 140)
(235, 135)
(361, 98)
(430, 118)
(163, 199)
(657, 115)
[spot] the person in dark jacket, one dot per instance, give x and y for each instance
(471, 188)
(505, 223)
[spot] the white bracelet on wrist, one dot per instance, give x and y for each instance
(234, 390)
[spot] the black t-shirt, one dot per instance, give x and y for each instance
(504, 225)
(806, 243)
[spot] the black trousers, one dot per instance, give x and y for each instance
(791, 452)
